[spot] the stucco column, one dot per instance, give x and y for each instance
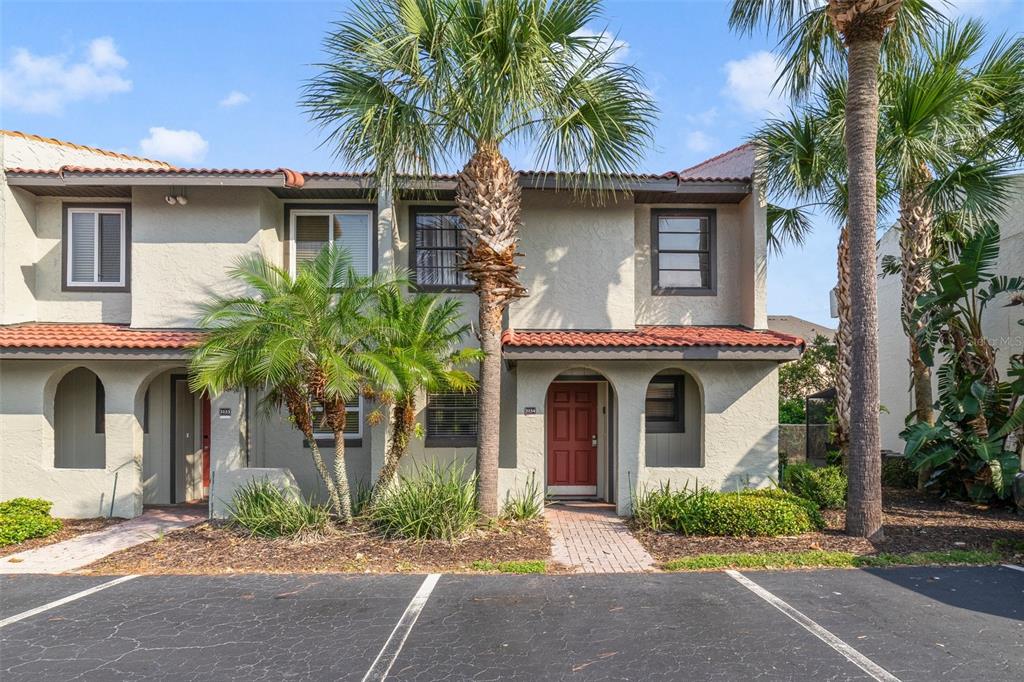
(530, 419)
(123, 436)
(631, 435)
(227, 433)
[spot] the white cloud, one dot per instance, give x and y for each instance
(174, 145)
(750, 80)
(234, 99)
(699, 141)
(605, 41)
(704, 118)
(44, 84)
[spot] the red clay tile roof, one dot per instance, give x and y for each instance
(670, 337)
(735, 165)
(291, 178)
(45, 335)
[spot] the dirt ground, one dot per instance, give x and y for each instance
(913, 523)
(217, 548)
(72, 527)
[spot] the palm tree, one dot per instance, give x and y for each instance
(415, 349)
(418, 85)
(299, 339)
(818, 35)
(942, 151)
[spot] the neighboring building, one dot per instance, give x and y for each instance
(641, 354)
(799, 327)
(1000, 323)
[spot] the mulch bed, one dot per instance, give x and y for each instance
(913, 523)
(216, 548)
(72, 527)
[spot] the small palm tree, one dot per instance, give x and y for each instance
(416, 348)
(418, 85)
(299, 339)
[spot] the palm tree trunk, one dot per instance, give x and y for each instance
(344, 509)
(864, 508)
(488, 200)
(325, 475)
(402, 416)
(843, 342)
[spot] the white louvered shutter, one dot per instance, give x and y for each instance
(83, 247)
(110, 247)
(352, 232)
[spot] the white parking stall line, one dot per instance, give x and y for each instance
(857, 658)
(60, 602)
(393, 646)
(1014, 567)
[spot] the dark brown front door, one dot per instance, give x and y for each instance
(572, 438)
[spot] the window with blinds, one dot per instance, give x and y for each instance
(437, 249)
(451, 419)
(352, 230)
(96, 247)
(663, 404)
(684, 250)
(353, 420)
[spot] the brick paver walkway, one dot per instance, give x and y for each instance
(82, 550)
(591, 538)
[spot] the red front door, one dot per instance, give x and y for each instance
(572, 437)
(206, 443)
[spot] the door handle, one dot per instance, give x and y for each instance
(593, 441)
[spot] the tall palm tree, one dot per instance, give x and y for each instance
(818, 35)
(416, 348)
(301, 341)
(418, 85)
(943, 152)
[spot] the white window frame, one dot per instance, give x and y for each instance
(95, 212)
(330, 212)
(329, 435)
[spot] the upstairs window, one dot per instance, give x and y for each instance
(96, 248)
(313, 229)
(452, 419)
(683, 248)
(437, 247)
(353, 421)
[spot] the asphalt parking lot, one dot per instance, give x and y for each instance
(903, 624)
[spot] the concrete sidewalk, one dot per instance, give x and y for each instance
(80, 551)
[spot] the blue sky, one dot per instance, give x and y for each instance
(216, 84)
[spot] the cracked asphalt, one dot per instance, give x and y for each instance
(916, 623)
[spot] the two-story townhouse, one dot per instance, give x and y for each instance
(640, 356)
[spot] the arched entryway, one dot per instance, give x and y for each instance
(79, 421)
(579, 434)
(673, 415)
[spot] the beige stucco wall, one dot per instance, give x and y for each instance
(17, 254)
(1000, 322)
(181, 254)
(27, 440)
(740, 424)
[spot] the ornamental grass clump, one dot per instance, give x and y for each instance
(824, 486)
(265, 510)
(700, 511)
(434, 504)
(25, 518)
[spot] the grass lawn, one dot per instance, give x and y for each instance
(820, 558)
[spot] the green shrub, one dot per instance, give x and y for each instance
(792, 411)
(897, 473)
(265, 510)
(361, 494)
(825, 486)
(525, 504)
(23, 518)
(742, 513)
(435, 504)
